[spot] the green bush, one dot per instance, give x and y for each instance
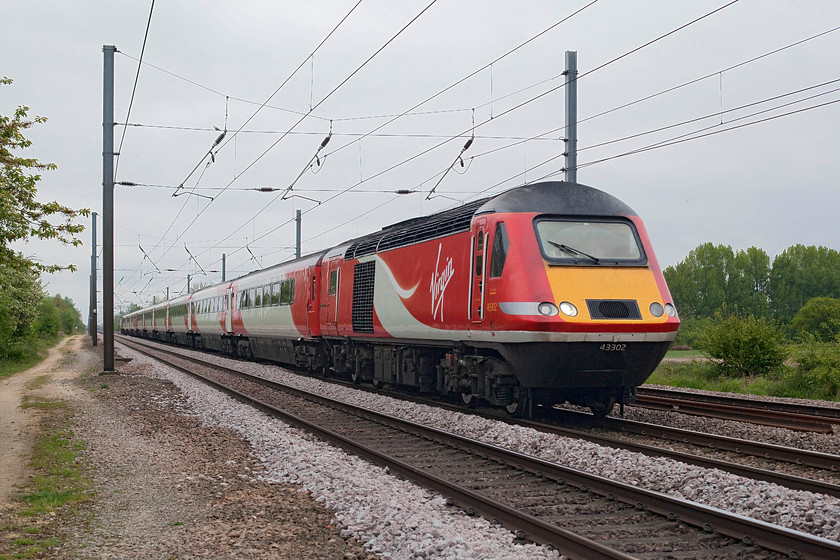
(744, 346)
(817, 371)
(819, 317)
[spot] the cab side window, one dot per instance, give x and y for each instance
(333, 282)
(500, 249)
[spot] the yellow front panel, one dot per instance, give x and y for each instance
(576, 284)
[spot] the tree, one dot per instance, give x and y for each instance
(22, 217)
(48, 324)
(712, 276)
(20, 294)
(820, 317)
(698, 283)
(749, 279)
(801, 273)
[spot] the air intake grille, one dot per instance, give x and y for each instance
(363, 280)
(613, 309)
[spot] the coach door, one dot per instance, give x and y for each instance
(479, 248)
(229, 310)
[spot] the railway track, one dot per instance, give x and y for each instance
(600, 518)
(783, 415)
(558, 421)
(802, 459)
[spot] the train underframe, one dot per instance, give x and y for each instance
(517, 377)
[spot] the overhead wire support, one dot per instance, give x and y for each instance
(193, 259)
(253, 257)
(448, 169)
(308, 166)
(202, 160)
(146, 256)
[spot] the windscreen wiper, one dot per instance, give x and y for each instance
(573, 251)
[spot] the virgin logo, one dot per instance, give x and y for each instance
(440, 280)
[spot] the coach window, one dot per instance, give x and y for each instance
(266, 295)
(257, 297)
(500, 249)
(275, 294)
(284, 292)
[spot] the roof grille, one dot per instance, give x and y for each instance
(415, 230)
(613, 309)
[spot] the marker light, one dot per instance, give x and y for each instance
(568, 309)
(547, 309)
(670, 310)
(656, 309)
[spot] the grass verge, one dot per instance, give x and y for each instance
(59, 485)
(29, 355)
(792, 380)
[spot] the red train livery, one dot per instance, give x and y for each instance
(545, 293)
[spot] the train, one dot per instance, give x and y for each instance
(547, 293)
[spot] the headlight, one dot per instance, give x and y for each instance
(568, 309)
(670, 310)
(656, 309)
(547, 309)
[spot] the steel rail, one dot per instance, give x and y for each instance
(750, 531)
(782, 479)
(793, 455)
(823, 413)
(737, 413)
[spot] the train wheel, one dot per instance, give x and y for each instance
(601, 408)
(518, 408)
(468, 399)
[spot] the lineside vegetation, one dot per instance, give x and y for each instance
(29, 320)
(768, 329)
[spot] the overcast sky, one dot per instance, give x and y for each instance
(215, 64)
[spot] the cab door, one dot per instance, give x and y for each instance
(313, 299)
(330, 288)
(479, 271)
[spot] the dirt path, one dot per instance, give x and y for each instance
(164, 485)
(18, 426)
